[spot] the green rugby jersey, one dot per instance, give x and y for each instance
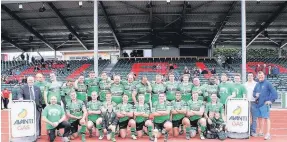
(53, 113)
(209, 90)
(93, 85)
(200, 90)
(185, 90)
(54, 89)
(94, 106)
(124, 108)
(178, 105)
(166, 106)
(66, 90)
(82, 92)
(141, 108)
(216, 108)
(143, 89)
(105, 86)
(156, 90)
(225, 90)
(171, 88)
(195, 106)
(117, 91)
(129, 87)
(76, 109)
(239, 90)
(42, 86)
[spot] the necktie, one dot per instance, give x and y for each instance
(32, 96)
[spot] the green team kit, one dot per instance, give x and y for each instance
(42, 86)
(54, 89)
(117, 91)
(143, 89)
(171, 88)
(185, 90)
(92, 84)
(105, 86)
(82, 92)
(129, 87)
(157, 88)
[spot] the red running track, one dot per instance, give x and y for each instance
(278, 131)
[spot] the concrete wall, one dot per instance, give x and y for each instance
(159, 52)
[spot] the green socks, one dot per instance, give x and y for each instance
(133, 131)
(149, 128)
(203, 129)
(187, 129)
(113, 135)
(83, 129)
(99, 127)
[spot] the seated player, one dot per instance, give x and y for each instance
(124, 113)
(94, 115)
(54, 116)
(161, 113)
(214, 114)
(178, 115)
(195, 113)
(110, 122)
(77, 112)
(141, 114)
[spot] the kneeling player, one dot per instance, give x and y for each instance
(178, 115)
(141, 115)
(195, 113)
(110, 122)
(94, 115)
(77, 112)
(124, 113)
(214, 115)
(54, 116)
(161, 113)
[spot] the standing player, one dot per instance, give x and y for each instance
(161, 114)
(53, 89)
(129, 86)
(81, 89)
(225, 89)
(178, 115)
(124, 113)
(185, 88)
(42, 84)
(105, 85)
(54, 116)
(210, 88)
(171, 88)
(239, 90)
(144, 87)
(110, 122)
(157, 88)
(117, 90)
(92, 83)
(195, 113)
(198, 88)
(141, 114)
(94, 115)
(77, 112)
(66, 90)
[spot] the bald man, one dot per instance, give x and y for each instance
(32, 92)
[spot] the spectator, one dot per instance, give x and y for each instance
(158, 67)
(275, 72)
(24, 80)
(171, 67)
(15, 92)
(125, 54)
(5, 95)
(213, 71)
(269, 72)
(186, 70)
(265, 69)
(258, 68)
(68, 64)
(204, 71)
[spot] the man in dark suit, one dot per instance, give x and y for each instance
(32, 92)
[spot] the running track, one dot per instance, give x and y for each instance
(278, 132)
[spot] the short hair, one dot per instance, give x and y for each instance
(223, 74)
(178, 92)
(91, 72)
(37, 74)
(238, 74)
(70, 80)
(94, 92)
(260, 72)
(141, 95)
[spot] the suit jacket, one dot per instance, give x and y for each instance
(109, 119)
(25, 94)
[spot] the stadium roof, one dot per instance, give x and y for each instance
(140, 24)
